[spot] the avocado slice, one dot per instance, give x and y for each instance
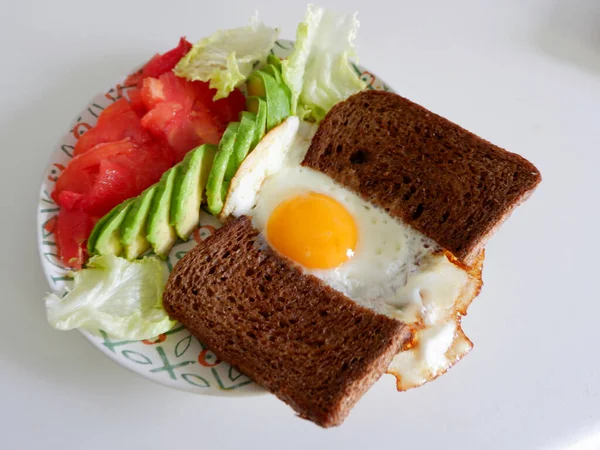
(274, 72)
(274, 61)
(259, 107)
(243, 142)
(133, 229)
(261, 84)
(219, 167)
(108, 241)
(161, 234)
(189, 187)
(91, 243)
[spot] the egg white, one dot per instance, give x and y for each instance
(395, 270)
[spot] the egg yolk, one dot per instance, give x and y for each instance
(313, 230)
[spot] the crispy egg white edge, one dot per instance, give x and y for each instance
(437, 342)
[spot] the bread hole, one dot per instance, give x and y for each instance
(328, 151)
(280, 299)
(358, 157)
(407, 196)
(194, 291)
(293, 321)
(251, 335)
(195, 306)
(226, 254)
(210, 292)
(207, 259)
(318, 342)
(212, 270)
(230, 342)
(265, 314)
(249, 272)
(406, 179)
(468, 195)
(223, 278)
(268, 277)
(445, 217)
(235, 248)
(344, 367)
(211, 324)
(231, 299)
(417, 129)
(323, 313)
(251, 299)
(283, 324)
(261, 288)
(240, 308)
(339, 148)
(417, 212)
(516, 176)
(346, 122)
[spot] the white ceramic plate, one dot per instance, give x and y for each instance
(175, 358)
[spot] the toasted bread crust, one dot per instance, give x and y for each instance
(310, 345)
(441, 179)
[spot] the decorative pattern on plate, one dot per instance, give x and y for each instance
(175, 358)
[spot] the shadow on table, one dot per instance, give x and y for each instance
(570, 31)
(30, 345)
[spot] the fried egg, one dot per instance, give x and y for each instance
(356, 248)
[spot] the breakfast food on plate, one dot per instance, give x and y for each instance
(354, 220)
(307, 343)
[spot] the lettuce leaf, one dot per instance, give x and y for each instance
(227, 57)
(318, 71)
(121, 297)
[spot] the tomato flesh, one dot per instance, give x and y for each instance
(72, 230)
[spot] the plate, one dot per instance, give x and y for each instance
(176, 358)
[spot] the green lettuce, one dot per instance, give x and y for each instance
(318, 72)
(227, 57)
(123, 298)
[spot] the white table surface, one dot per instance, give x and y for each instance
(523, 74)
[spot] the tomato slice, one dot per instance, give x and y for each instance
(136, 102)
(116, 122)
(110, 173)
(183, 115)
(79, 175)
(160, 64)
(229, 108)
(69, 199)
(72, 230)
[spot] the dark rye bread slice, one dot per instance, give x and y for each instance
(310, 345)
(446, 182)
